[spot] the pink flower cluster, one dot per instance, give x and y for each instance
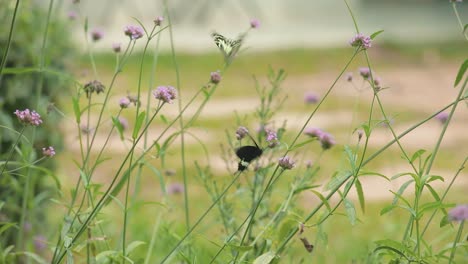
(326, 140)
(28, 118)
(48, 152)
(165, 93)
(134, 32)
(360, 40)
(286, 163)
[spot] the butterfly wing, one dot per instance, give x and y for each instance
(248, 153)
(228, 47)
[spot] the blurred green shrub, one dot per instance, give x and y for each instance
(20, 90)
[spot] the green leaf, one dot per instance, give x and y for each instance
(76, 110)
(304, 188)
(465, 28)
(375, 34)
(392, 244)
(6, 226)
(84, 178)
(132, 246)
(360, 193)
(461, 72)
(105, 255)
(323, 199)
(163, 119)
(119, 127)
(265, 258)
(417, 154)
(387, 209)
(298, 145)
(35, 257)
(444, 221)
(138, 124)
(287, 225)
(401, 190)
(238, 248)
(350, 211)
(338, 180)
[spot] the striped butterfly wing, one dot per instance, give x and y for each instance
(228, 47)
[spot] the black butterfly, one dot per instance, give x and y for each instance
(247, 154)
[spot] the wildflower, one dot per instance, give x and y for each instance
(349, 76)
(326, 140)
(170, 172)
(286, 163)
(364, 72)
(158, 20)
(133, 99)
(165, 93)
(309, 247)
(442, 117)
(215, 77)
(97, 34)
(28, 118)
(360, 133)
(311, 98)
(116, 47)
(48, 152)
(134, 32)
(124, 102)
(123, 122)
(313, 132)
(459, 213)
(93, 86)
(272, 138)
(241, 132)
(39, 243)
(254, 23)
(72, 15)
(377, 83)
(175, 188)
(360, 40)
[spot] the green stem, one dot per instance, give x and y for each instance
(457, 239)
(10, 37)
(455, 10)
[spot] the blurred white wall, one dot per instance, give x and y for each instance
(284, 23)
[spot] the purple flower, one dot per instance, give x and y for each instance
(349, 76)
(116, 47)
(254, 23)
(377, 83)
(286, 163)
(123, 122)
(124, 102)
(48, 152)
(97, 34)
(313, 132)
(442, 117)
(215, 77)
(72, 15)
(361, 40)
(364, 72)
(360, 133)
(272, 138)
(158, 20)
(165, 93)
(28, 118)
(241, 132)
(311, 98)
(39, 243)
(175, 188)
(459, 213)
(134, 32)
(326, 140)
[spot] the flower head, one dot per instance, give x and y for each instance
(165, 93)
(175, 188)
(123, 122)
(134, 32)
(116, 47)
(48, 152)
(97, 34)
(215, 77)
(311, 98)
(72, 15)
(28, 118)
(360, 133)
(364, 72)
(313, 132)
(442, 117)
(349, 76)
(377, 83)
(124, 102)
(360, 40)
(326, 140)
(459, 213)
(241, 132)
(286, 163)
(254, 23)
(158, 20)
(272, 138)
(93, 86)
